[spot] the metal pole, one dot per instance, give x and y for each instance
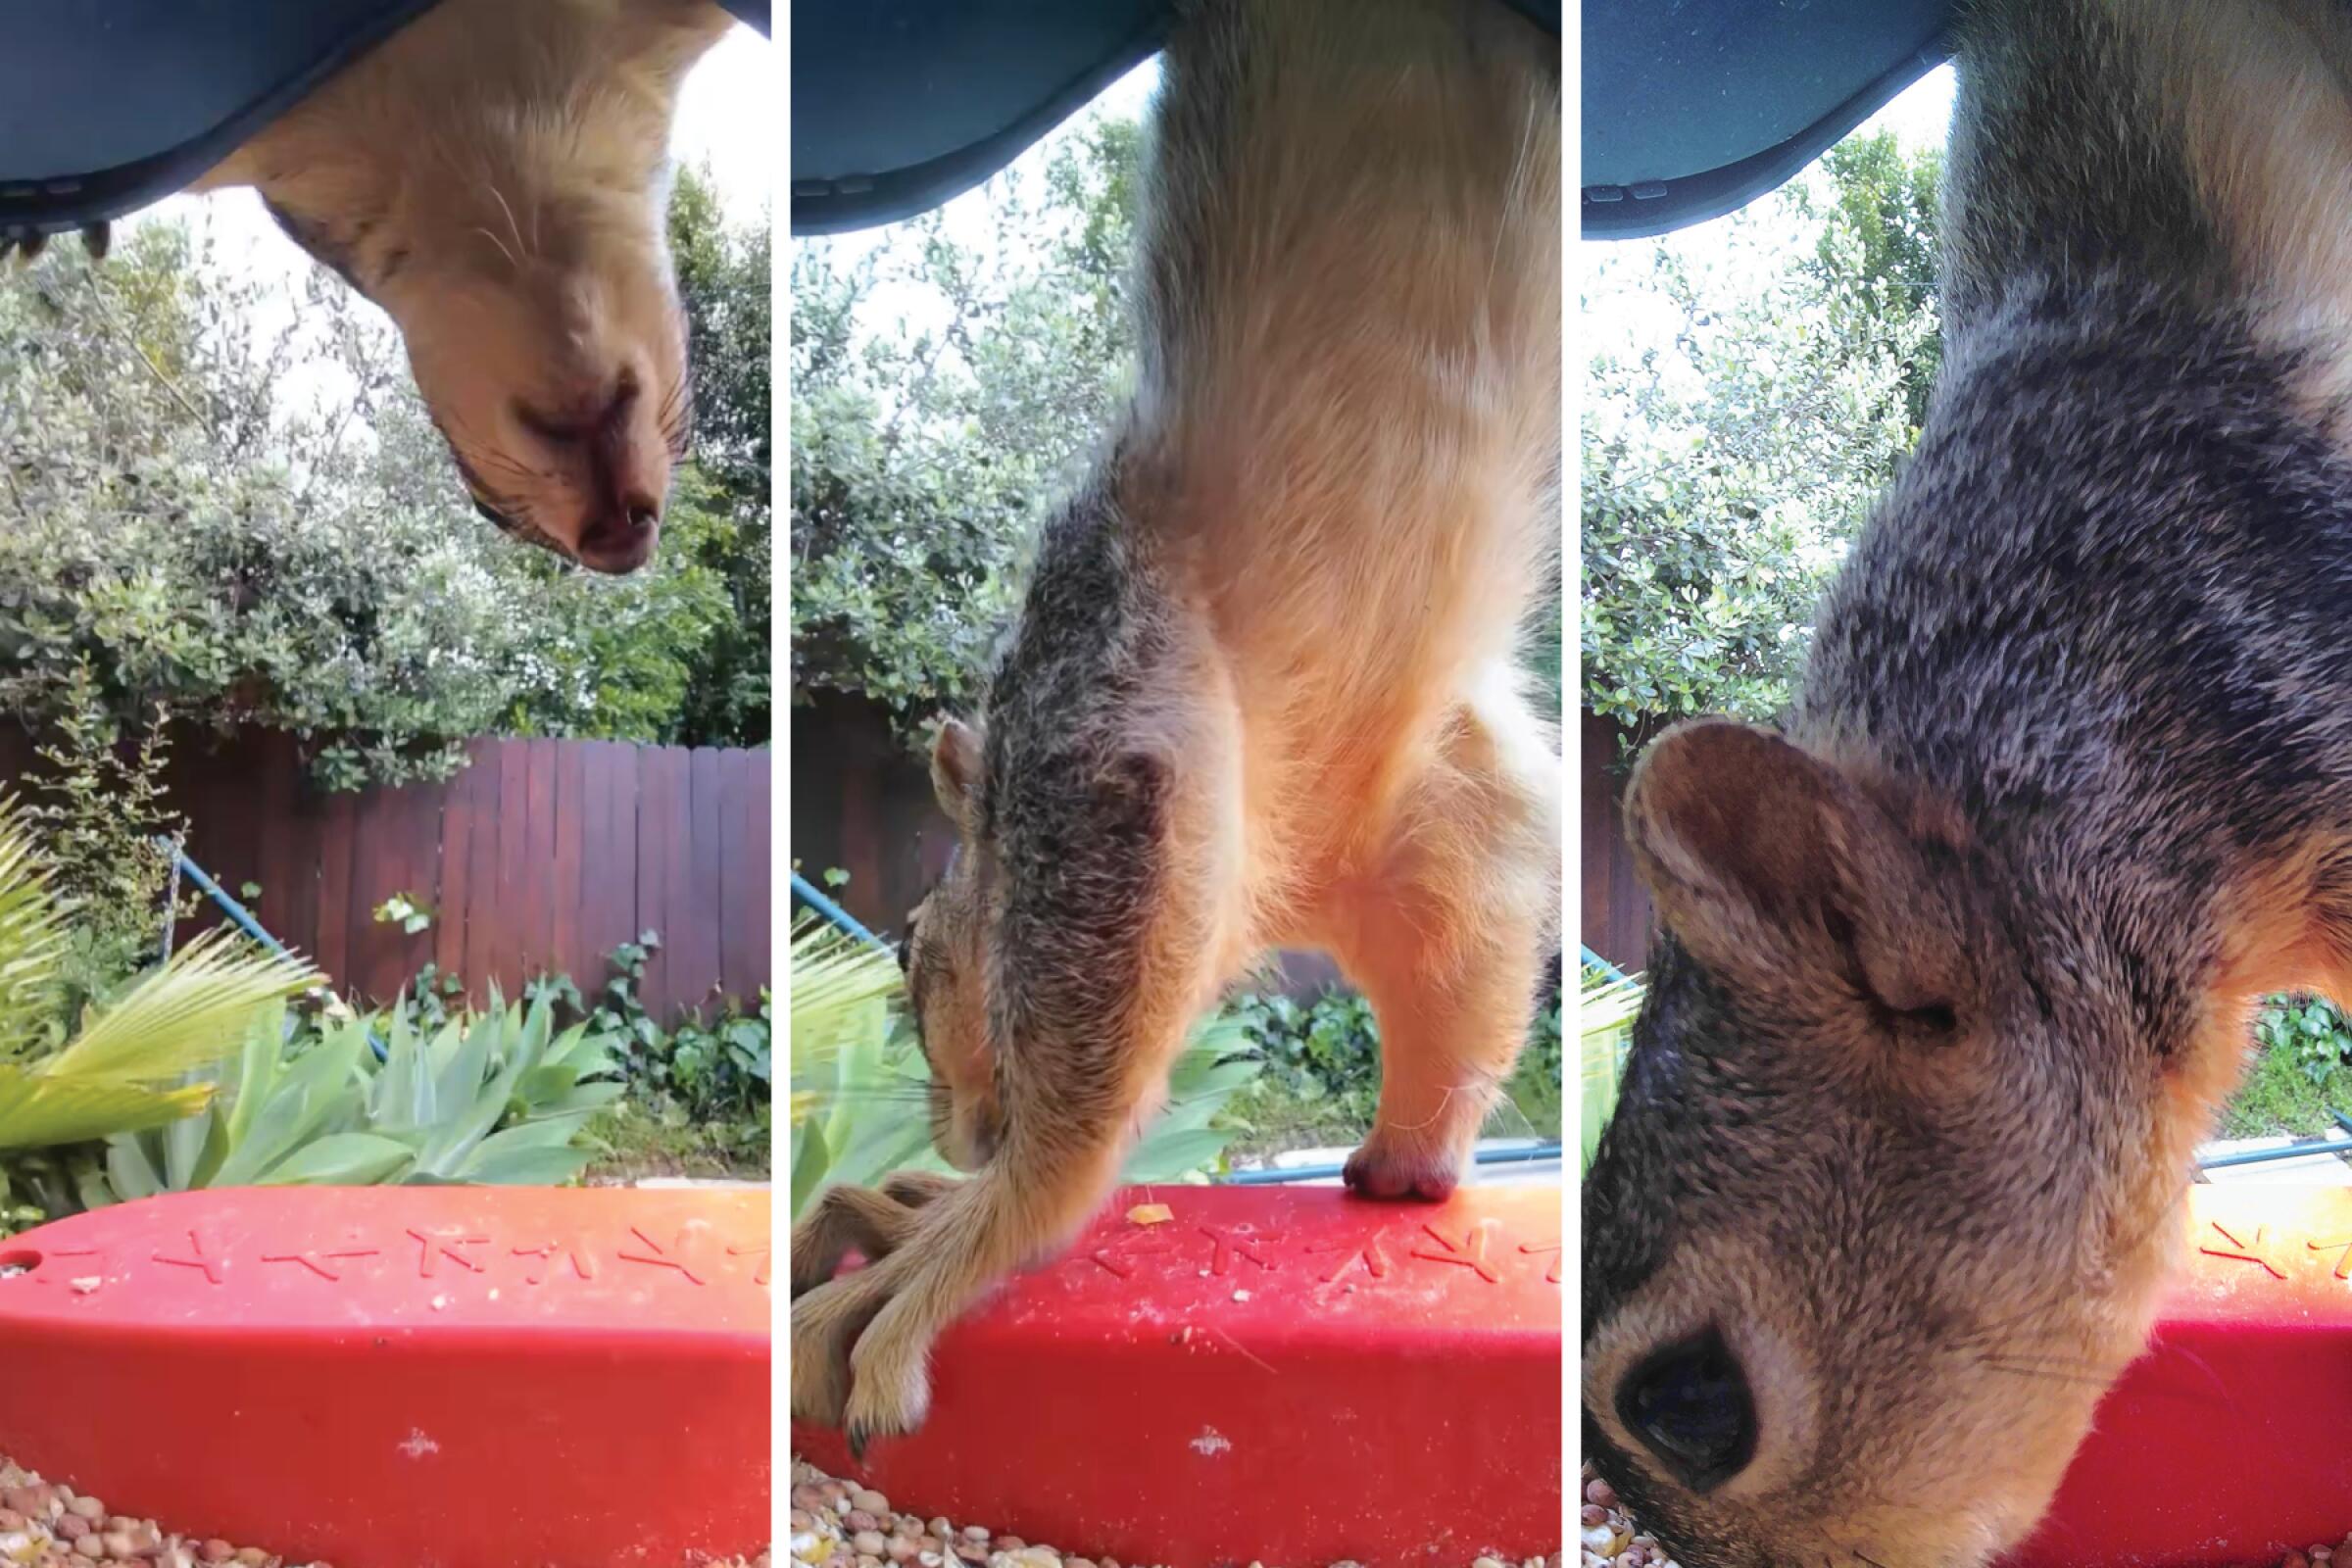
(172, 896)
(247, 923)
(1312, 1173)
(841, 917)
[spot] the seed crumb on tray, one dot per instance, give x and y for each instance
(837, 1524)
(45, 1525)
(1611, 1538)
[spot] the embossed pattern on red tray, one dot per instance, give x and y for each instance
(1277, 1374)
(2224, 1445)
(390, 1377)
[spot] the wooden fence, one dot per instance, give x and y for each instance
(539, 856)
(1616, 914)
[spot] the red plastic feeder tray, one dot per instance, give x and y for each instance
(405, 1377)
(2226, 1443)
(1290, 1375)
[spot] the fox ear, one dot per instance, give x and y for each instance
(956, 769)
(1778, 872)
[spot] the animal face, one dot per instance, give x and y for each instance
(494, 177)
(946, 972)
(1851, 1286)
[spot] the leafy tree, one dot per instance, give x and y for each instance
(1890, 204)
(921, 455)
(1728, 463)
(723, 276)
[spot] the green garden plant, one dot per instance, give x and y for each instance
(859, 1094)
(1322, 1069)
(502, 1098)
(122, 1066)
(2313, 1029)
(1606, 1006)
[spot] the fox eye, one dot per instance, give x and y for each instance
(1689, 1403)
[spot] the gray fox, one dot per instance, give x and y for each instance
(1956, 965)
(494, 177)
(1261, 691)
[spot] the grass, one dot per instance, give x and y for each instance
(1271, 1121)
(2278, 1097)
(643, 1143)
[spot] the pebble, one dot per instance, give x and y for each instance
(47, 1525)
(1610, 1538)
(835, 1524)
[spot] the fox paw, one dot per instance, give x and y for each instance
(1393, 1170)
(859, 1359)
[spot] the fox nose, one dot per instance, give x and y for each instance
(625, 472)
(620, 539)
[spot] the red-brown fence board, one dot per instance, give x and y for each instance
(1616, 914)
(537, 856)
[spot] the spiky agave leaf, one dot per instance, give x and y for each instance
(841, 990)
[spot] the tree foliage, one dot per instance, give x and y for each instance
(185, 534)
(1730, 457)
(724, 279)
(944, 392)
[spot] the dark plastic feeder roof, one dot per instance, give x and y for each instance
(1692, 108)
(899, 105)
(108, 106)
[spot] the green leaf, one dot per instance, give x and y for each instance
(46, 1110)
(1167, 1158)
(341, 1160)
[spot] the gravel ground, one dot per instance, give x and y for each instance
(1611, 1538)
(838, 1525)
(47, 1525)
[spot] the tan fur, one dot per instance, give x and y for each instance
(493, 176)
(2277, 180)
(1341, 471)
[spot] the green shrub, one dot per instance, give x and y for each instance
(2312, 1029)
(1325, 1054)
(1322, 1061)
(860, 1091)
(499, 1098)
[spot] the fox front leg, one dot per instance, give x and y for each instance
(872, 1221)
(861, 1344)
